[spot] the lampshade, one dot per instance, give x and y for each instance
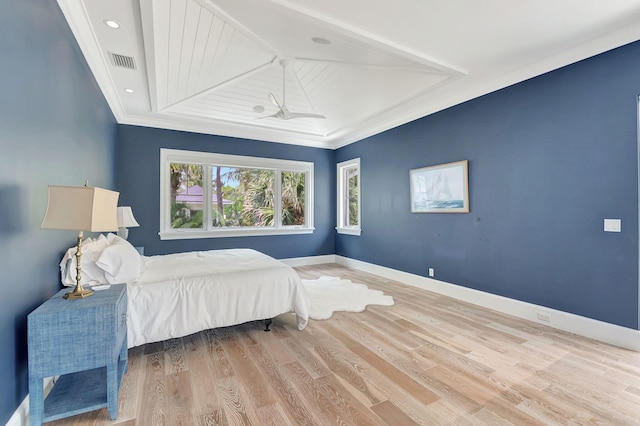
(125, 218)
(81, 208)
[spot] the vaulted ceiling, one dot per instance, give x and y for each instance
(209, 66)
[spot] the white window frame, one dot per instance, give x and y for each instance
(207, 160)
(342, 202)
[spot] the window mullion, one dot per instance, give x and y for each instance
(207, 217)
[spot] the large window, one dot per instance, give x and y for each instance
(349, 197)
(204, 195)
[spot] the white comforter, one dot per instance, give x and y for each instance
(180, 294)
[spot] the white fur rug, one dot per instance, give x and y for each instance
(331, 294)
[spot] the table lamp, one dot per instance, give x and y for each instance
(125, 220)
(81, 208)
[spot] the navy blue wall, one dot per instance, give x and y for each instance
(549, 159)
(138, 174)
(55, 128)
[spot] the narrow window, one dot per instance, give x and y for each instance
(349, 197)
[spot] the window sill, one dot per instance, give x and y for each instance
(349, 231)
(227, 233)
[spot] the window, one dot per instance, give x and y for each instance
(349, 197)
(205, 195)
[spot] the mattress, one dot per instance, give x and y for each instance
(183, 293)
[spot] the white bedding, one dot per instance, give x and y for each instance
(180, 294)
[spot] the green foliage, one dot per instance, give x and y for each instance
(191, 174)
(183, 217)
(243, 197)
(292, 198)
(257, 188)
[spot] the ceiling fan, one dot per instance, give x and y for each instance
(283, 112)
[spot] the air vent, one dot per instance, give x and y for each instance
(122, 61)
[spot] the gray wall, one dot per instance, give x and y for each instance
(55, 128)
(549, 159)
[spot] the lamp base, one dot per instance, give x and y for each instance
(78, 293)
(123, 232)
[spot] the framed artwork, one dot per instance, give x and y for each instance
(440, 189)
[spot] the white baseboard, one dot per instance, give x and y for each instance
(20, 417)
(598, 330)
(311, 260)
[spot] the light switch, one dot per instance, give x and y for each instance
(612, 225)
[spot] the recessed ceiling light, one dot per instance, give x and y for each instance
(320, 40)
(258, 109)
(128, 90)
(112, 24)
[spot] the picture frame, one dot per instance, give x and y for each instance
(443, 188)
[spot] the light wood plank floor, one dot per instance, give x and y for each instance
(428, 359)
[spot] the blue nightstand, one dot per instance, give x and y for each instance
(84, 341)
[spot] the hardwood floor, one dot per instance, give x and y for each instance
(428, 359)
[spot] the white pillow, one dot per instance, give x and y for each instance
(120, 261)
(91, 250)
(111, 237)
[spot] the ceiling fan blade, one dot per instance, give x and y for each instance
(274, 100)
(304, 115)
(278, 114)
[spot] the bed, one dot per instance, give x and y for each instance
(179, 294)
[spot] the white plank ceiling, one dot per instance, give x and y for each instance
(208, 66)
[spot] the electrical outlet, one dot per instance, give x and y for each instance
(612, 225)
(432, 272)
(544, 317)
